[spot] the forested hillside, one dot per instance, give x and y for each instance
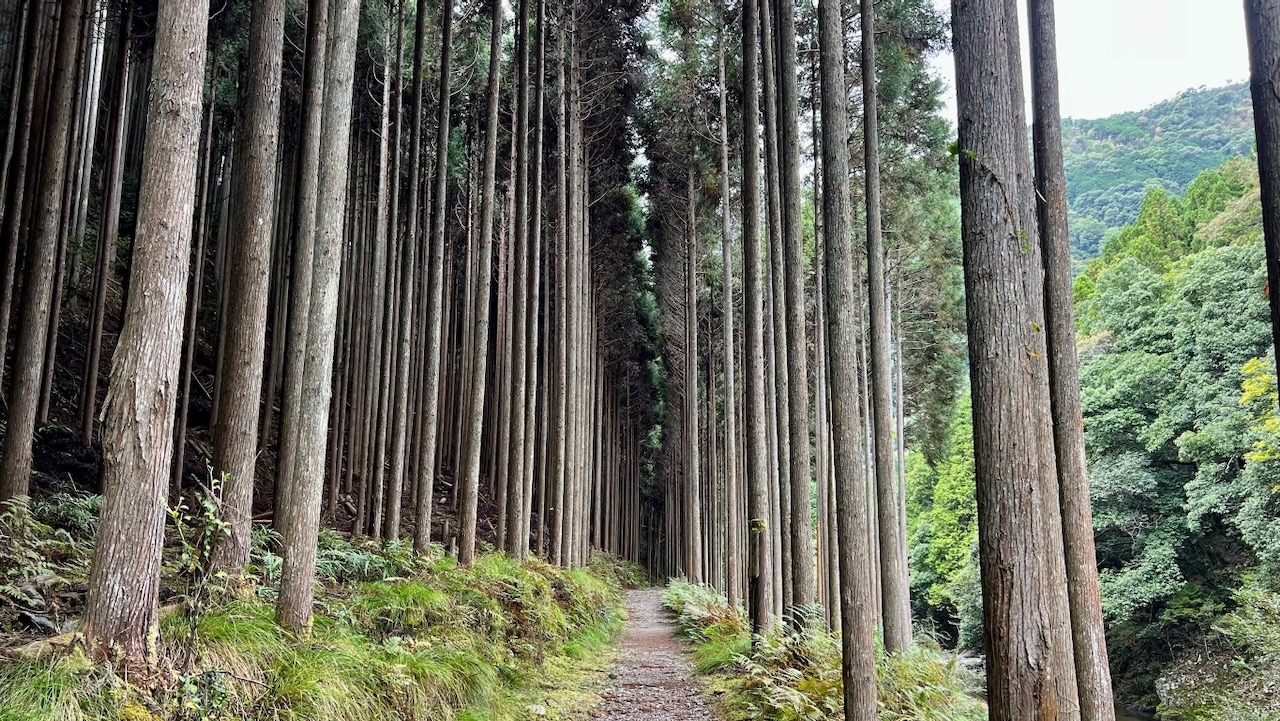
(1113, 162)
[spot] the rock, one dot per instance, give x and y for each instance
(39, 623)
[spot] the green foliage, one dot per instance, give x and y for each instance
(943, 532)
(1114, 163)
(425, 640)
(790, 674)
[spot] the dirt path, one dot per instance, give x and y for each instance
(653, 679)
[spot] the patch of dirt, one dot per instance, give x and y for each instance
(653, 679)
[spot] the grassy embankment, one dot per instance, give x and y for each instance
(396, 636)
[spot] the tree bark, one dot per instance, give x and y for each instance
(301, 515)
(895, 596)
(857, 617)
(430, 436)
(42, 257)
(110, 226)
(1030, 673)
(757, 454)
(1089, 641)
(733, 561)
(1262, 21)
(124, 578)
(253, 198)
(304, 228)
(470, 476)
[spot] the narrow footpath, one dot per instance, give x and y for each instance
(653, 679)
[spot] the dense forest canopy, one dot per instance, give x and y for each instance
(355, 354)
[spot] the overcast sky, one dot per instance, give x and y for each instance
(1121, 55)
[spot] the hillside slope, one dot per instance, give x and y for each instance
(1112, 162)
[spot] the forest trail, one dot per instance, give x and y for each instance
(653, 678)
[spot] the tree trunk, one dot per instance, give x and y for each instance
(733, 562)
(42, 256)
(253, 197)
(1030, 674)
(301, 515)
(757, 454)
(857, 617)
(802, 566)
(894, 594)
(470, 476)
(1262, 20)
(304, 228)
(15, 170)
(1089, 641)
(124, 578)
(426, 484)
(692, 492)
(109, 228)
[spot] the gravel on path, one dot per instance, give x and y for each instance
(653, 679)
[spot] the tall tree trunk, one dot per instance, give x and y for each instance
(124, 577)
(408, 263)
(42, 256)
(693, 558)
(109, 228)
(1089, 641)
(535, 372)
(1030, 670)
(802, 563)
(1262, 20)
(757, 455)
(430, 425)
(857, 617)
(253, 199)
(301, 515)
(470, 476)
(15, 173)
(304, 228)
(733, 561)
(895, 596)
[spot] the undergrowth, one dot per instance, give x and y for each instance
(794, 675)
(396, 636)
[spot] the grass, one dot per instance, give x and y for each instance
(790, 675)
(396, 637)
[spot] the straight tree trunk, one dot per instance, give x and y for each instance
(430, 425)
(42, 257)
(1030, 672)
(15, 174)
(759, 585)
(693, 494)
(1089, 641)
(894, 594)
(124, 578)
(304, 228)
(802, 557)
(110, 227)
(301, 516)
(253, 199)
(470, 476)
(408, 262)
(857, 615)
(733, 561)
(1262, 21)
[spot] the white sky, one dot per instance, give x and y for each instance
(1120, 55)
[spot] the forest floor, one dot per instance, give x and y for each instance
(653, 679)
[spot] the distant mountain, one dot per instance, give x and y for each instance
(1111, 163)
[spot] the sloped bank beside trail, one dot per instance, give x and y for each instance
(396, 636)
